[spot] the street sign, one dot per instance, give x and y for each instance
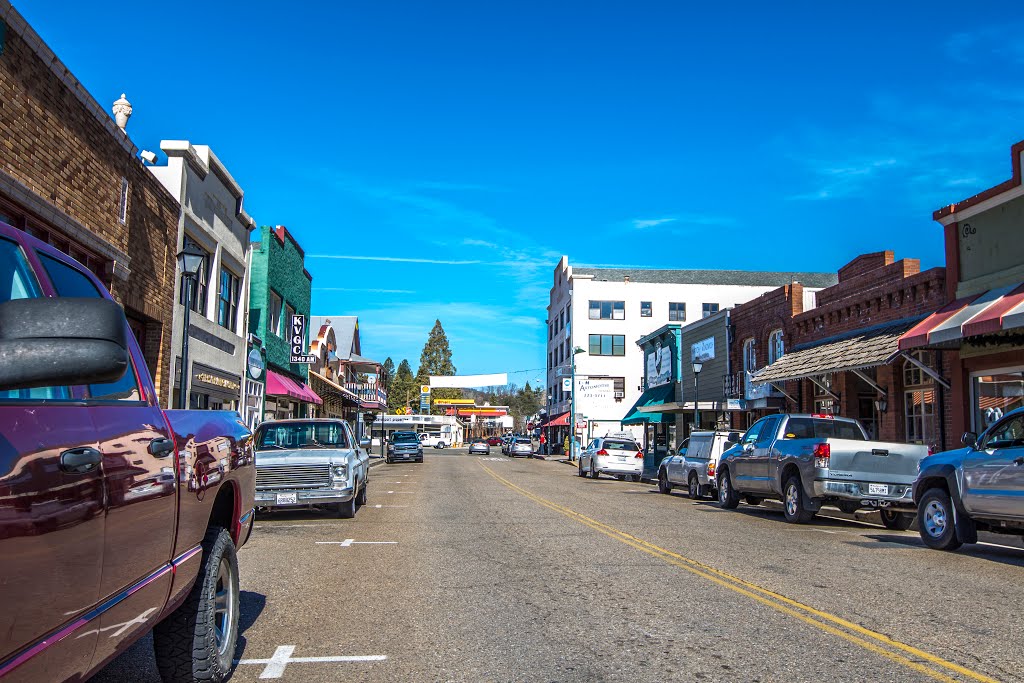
(567, 384)
(298, 339)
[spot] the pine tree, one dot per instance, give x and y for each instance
(436, 359)
(387, 372)
(403, 390)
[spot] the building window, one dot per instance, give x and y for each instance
(227, 308)
(607, 310)
(776, 346)
(919, 400)
(677, 312)
(996, 394)
(749, 356)
(607, 345)
(619, 388)
(824, 404)
(122, 206)
(276, 304)
(646, 310)
(197, 285)
(708, 310)
(288, 313)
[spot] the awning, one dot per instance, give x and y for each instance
(345, 393)
(994, 311)
(655, 396)
(279, 385)
(560, 421)
(868, 348)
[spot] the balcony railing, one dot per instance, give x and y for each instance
(367, 393)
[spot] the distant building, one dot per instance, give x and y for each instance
(604, 311)
(350, 384)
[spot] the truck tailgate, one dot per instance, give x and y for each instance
(874, 461)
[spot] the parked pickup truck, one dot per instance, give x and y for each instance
(116, 518)
(310, 462)
(429, 440)
(976, 488)
(808, 461)
(694, 464)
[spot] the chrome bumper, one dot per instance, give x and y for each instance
(268, 499)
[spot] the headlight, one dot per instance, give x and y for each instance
(339, 471)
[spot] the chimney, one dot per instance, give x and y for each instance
(122, 110)
(625, 278)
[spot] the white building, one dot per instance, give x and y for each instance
(212, 219)
(604, 311)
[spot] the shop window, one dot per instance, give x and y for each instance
(995, 395)
(708, 310)
(646, 310)
(677, 312)
(227, 308)
(776, 346)
(607, 310)
(198, 286)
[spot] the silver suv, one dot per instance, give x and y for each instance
(617, 455)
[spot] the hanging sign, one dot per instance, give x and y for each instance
(703, 351)
(298, 339)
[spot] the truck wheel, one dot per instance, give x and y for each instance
(197, 641)
(793, 504)
(663, 483)
(753, 500)
(935, 521)
(361, 498)
(898, 521)
(347, 510)
(693, 486)
(727, 496)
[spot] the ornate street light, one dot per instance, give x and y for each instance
(190, 263)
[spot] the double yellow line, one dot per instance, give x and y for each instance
(879, 643)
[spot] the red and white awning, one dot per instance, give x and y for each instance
(994, 311)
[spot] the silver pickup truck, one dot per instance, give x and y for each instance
(314, 462)
(808, 461)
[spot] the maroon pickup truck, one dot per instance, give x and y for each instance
(116, 517)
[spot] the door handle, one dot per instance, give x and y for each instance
(1019, 460)
(161, 448)
(80, 460)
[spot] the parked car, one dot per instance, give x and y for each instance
(116, 517)
(479, 446)
(694, 464)
(506, 443)
(808, 461)
(311, 463)
(494, 441)
(521, 445)
(435, 440)
(619, 456)
(404, 446)
(979, 487)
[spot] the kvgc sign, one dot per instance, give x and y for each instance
(298, 335)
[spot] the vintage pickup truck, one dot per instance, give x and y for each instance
(116, 518)
(808, 461)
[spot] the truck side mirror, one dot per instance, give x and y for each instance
(365, 443)
(61, 341)
(734, 437)
(970, 439)
(748, 447)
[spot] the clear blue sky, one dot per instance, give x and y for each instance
(483, 140)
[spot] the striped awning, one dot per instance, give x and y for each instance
(996, 310)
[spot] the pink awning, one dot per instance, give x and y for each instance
(279, 385)
(993, 311)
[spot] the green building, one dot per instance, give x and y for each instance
(279, 306)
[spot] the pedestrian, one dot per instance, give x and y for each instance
(543, 441)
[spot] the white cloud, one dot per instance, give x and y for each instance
(366, 290)
(643, 223)
(395, 259)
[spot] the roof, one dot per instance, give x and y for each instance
(748, 278)
(865, 348)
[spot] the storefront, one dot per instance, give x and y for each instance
(288, 398)
(211, 389)
(662, 391)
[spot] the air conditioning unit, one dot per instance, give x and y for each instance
(620, 394)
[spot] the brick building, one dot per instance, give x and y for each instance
(71, 177)
(837, 352)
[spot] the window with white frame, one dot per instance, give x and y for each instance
(227, 300)
(646, 310)
(749, 356)
(607, 310)
(919, 399)
(776, 346)
(677, 311)
(824, 403)
(276, 306)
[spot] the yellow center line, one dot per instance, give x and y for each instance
(767, 597)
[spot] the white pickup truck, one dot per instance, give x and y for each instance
(435, 440)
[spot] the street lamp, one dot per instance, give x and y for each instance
(697, 366)
(190, 262)
(572, 402)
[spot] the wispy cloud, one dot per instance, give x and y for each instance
(471, 242)
(395, 259)
(444, 186)
(681, 222)
(843, 179)
(644, 223)
(363, 290)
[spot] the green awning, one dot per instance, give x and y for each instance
(652, 397)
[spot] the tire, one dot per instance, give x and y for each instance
(935, 520)
(594, 474)
(186, 643)
(582, 473)
(664, 485)
(753, 500)
(361, 498)
(897, 521)
(793, 503)
(347, 510)
(388, 460)
(420, 459)
(727, 496)
(693, 486)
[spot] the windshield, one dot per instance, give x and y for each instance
(617, 445)
(819, 428)
(405, 437)
(296, 435)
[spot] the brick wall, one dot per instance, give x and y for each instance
(54, 144)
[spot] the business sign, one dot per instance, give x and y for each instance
(453, 401)
(703, 351)
(298, 339)
(659, 366)
(595, 389)
(567, 384)
(424, 398)
(255, 364)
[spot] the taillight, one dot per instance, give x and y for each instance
(711, 468)
(601, 452)
(822, 453)
(639, 455)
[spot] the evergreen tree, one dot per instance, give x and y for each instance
(403, 389)
(387, 372)
(436, 359)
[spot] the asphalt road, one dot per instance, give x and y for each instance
(471, 568)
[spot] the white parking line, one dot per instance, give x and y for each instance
(378, 507)
(282, 657)
(348, 542)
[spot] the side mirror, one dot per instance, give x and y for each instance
(748, 447)
(969, 439)
(734, 437)
(365, 443)
(61, 341)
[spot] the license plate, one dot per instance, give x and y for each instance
(287, 498)
(878, 489)
(621, 458)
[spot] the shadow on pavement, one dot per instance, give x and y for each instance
(1010, 556)
(251, 606)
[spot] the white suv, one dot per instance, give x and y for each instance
(619, 456)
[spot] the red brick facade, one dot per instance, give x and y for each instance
(62, 171)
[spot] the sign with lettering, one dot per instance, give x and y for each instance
(595, 389)
(659, 365)
(298, 339)
(703, 351)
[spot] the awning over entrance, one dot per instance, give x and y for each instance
(279, 385)
(560, 421)
(655, 396)
(868, 348)
(994, 311)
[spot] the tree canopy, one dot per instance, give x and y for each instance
(403, 390)
(436, 359)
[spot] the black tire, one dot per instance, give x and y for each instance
(693, 486)
(753, 500)
(935, 520)
(727, 496)
(594, 474)
(347, 510)
(186, 643)
(664, 485)
(361, 497)
(388, 460)
(582, 473)
(419, 459)
(794, 506)
(897, 521)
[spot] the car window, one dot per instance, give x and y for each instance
(1007, 434)
(768, 430)
(621, 445)
(753, 432)
(297, 435)
(821, 428)
(404, 437)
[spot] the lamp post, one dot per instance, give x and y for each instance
(572, 403)
(190, 262)
(697, 366)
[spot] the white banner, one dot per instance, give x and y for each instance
(596, 389)
(468, 381)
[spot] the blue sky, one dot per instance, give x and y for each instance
(436, 159)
